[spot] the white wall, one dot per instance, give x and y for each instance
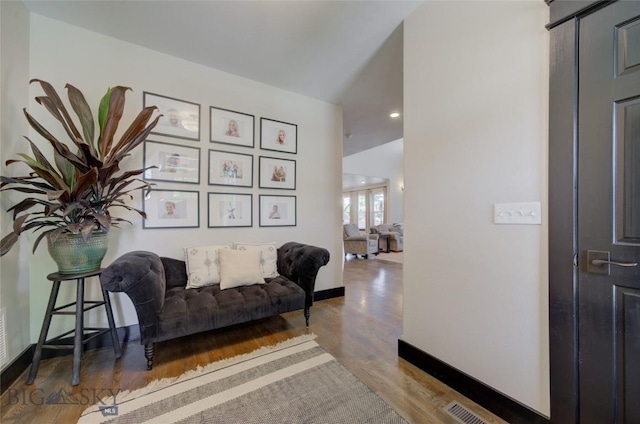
(384, 161)
(475, 131)
(14, 77)
(62, 53)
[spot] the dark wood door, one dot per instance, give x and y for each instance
(609, 215)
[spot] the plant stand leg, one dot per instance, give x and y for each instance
(79, 333)
(35, 363)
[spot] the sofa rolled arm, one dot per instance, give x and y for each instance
(300, 263)
(141, 276)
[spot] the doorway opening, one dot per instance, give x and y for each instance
(366, 207)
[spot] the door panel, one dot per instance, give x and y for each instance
(628, 47)
(627, 161)
(627, 364)
(609, 214)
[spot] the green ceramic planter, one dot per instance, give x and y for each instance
(74, 255)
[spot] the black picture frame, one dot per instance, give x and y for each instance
(229, 210)
(276, 173)
(271, 136)
(230, 168)
(174, 162)
(180, 118)
(284, 206)
(184, 214)
(231, 127)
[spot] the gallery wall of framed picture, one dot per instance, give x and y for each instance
(230, 167)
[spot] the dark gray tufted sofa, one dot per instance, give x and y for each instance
(167, 310)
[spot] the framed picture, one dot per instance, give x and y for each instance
(230, 127)
(232, 169)
(278, 136)
(171, 209)
(277, 211)
(179, 118)
(174, 163)
(230, 210)
(277, 173)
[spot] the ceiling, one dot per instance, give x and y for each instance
(343, 52)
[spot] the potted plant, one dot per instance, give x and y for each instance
(73, 192)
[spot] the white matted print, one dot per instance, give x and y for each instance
(278, 136)
(277, 173)
(230, 127)
(230, 210)
(179, 118)
(174, 163)
(233, 169)
(277, 211)
(171, 209)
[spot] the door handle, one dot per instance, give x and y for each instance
(599, 262)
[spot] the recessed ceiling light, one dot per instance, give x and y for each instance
(394, 115)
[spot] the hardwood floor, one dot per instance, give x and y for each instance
(361, 330)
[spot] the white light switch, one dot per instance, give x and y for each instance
(517, 213)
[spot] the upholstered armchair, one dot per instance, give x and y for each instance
(396, 236)
(358, 243)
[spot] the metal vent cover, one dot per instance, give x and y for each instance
(462, 414)
(3, 338)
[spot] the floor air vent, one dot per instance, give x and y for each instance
(462, 414)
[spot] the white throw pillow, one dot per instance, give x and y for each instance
(269, 256)
(203, 265)
(239, 268)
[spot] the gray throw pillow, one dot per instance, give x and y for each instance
(351, 230)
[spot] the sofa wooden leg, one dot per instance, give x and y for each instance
(307, 314)
(149, 351)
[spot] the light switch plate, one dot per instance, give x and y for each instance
(527, 213)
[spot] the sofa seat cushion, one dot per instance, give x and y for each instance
(357, 238)
(191, 311)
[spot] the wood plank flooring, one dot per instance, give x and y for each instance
(361, 330)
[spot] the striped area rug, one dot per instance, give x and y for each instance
(293, 382)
